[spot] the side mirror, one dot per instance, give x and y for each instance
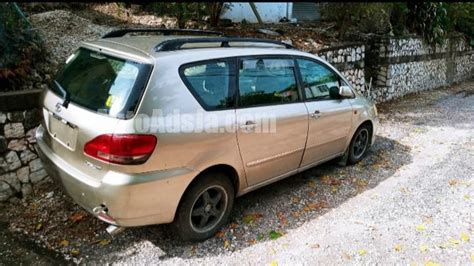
(345, 92)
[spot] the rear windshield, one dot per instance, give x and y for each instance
(102, 83)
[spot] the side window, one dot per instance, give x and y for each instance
(210, 82)
(317, 79)
(267, 81)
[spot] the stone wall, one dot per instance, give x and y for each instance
(349, 60)
(20, 167)
(398, 67)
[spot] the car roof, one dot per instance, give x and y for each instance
(142, 47)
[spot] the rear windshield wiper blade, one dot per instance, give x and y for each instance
(64, 93)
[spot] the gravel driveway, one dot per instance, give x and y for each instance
(409, 201)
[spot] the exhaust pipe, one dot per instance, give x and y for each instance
(101, 212)
(113, 230)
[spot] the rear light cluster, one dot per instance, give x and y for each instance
(121, 148)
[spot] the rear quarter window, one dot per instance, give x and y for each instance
(211, 82)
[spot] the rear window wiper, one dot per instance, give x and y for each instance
(65, 94)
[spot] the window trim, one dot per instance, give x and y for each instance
(232, 83)
(327, 66)
(266, 56)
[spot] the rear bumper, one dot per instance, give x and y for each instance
(130, 199)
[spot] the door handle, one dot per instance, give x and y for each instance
(316, 114)
(248, 125)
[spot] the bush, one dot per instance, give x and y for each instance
(20, 47)
(428, 19)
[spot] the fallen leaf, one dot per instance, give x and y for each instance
(295, 200)
(220, 234)
(233, 225)
(346, 256)
(64, 243)
(453, 182)
(252, 242)
(273, 263)
(296, 214)
(420, 228)
(251, 218)
(39, 226)
(362, 252)
(312, 193)
(282, 218)
(423, 248)
(315, 246)
(427, 220)
(454, 241)
(330, 181)
(226, 243)
(467, 197)
(398, 247)
(444, 245)
(76, 217)
(274, 234)
(472, 256)
(334, 189)
(104, 242)
(311, 184)
(75, 252)
(259, 237)
(431, 263)
(464, 237)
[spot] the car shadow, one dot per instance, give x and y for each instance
(271, 211)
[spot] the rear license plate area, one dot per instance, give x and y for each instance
(63, 131)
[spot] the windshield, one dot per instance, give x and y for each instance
(102, 83)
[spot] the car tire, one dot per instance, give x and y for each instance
(205, 207)
(360, 143)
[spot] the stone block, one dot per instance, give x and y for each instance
(3, 118)
(14, 130)
(17, 145)
(5, 191)
(23, 174)
(12, 160)
(36, 177)
(27, 156)
(32, 118)
(15, 116)
(12, 180)
(26, 189)
(35, 165)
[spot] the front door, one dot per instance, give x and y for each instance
(329, 116)
(271, 118)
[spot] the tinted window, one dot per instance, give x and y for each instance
(103, 83)
(317, 79)
(210, 83)
(267, 81)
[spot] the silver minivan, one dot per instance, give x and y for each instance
(172, 127)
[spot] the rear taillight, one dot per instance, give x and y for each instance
(121, 148)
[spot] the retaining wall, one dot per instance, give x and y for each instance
(402, 66)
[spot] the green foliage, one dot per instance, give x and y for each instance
(461, 19)
(432, 20)
(429, 19)
(20, 46)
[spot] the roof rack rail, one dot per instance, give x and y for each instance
(123, 32)
(171, 45)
